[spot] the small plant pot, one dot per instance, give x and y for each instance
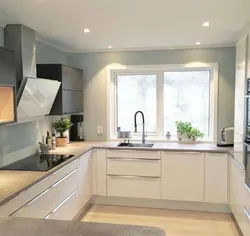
(61, 142)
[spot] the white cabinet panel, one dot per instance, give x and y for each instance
(44, 203)
(134, 154)
(240, 87)
(67, 210)
(132, 186)
(183, 176)
(85, 179)
(100, 172)
(132, 166)
(216, 178)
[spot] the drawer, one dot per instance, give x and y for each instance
(56, 176)
(67, 209)
(134, 166)
(134, 154)
(132, 186)
(44, 203)
(16, 203)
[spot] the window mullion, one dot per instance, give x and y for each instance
(160, 107)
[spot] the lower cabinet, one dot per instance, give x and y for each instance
(66, 210)
(85, 185)
(134, 186)
(216, 178)
(183, 176)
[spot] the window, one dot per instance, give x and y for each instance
(164, 94)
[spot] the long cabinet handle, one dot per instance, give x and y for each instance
(247, 213)
(134, 176)
(238, 164)
(65, 177)
(37, 197)
(132, 159)
(63, 168)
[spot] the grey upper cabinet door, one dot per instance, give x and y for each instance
(72, 78)
(7, 67)
(69, 99)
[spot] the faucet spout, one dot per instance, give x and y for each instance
(143, 125)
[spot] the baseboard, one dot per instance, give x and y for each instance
(83, 211)
(160, 204)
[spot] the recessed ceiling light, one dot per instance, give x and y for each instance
(86, 30)
(109, 47)
(206, 24)
(198, 43)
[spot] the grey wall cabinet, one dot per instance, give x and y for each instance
(7, 87)
(69, 99)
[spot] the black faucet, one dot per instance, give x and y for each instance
(143, 125)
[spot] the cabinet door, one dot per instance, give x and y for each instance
(72, 101)
(240, 89)
(85, 179)
(183, 176)
(72, 78)
(237, 193)
(216, 176)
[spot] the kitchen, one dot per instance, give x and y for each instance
(171, 179)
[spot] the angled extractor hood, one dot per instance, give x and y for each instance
(35, 96)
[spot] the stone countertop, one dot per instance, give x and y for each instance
(13, 183)
(39, 227)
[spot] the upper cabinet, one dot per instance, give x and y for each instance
(7, 87)
(69, 99)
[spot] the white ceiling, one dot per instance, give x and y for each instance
(129, 24)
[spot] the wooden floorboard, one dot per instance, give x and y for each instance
(174, 223)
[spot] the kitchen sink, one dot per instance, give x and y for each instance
(135, 145)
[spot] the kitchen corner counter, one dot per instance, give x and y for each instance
(37, 227)
(13, 183)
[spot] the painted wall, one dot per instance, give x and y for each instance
(95, 80)
(20, 140)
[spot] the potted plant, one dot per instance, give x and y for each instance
(60, 127)
(185, 130)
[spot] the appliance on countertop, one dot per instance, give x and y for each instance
(76, 132)
(227, 137)
(38, 162)
(35, 96)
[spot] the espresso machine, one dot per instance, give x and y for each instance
(76, 131)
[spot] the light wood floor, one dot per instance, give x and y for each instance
(175, 223)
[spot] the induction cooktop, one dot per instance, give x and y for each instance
(38, 162)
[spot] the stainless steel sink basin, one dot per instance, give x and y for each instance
(136, 145)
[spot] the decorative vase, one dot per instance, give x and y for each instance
(61, 142)
(168, 135)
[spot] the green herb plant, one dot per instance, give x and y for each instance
(62, 125)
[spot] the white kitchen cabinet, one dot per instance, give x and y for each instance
(99, 172)
(45, 202)
(134, 186)
(66, 210)
(216, 178)
(144, 154)
(237, 194)
(240, 90)
(183, 176)
(85, 191)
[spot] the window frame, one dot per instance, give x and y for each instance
(158, 70)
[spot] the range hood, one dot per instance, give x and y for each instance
(35, 96)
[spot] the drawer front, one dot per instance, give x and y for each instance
(134, 154)
(136, 187)
(56, 176)
(44, 203)
(132, 166)
(19, 201)
(67, 209)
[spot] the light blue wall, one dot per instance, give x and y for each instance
(95, 83)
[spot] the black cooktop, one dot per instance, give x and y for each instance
(38, 162)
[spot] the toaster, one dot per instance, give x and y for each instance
(227, 136)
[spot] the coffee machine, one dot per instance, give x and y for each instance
(76, 131)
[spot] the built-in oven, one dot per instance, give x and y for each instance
(247, 136)
(247, 163)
